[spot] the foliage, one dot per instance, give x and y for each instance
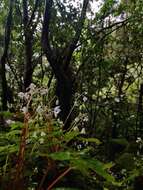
(71, 94)
(45, 140)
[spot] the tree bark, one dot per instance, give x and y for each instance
(28, 68)
(28, 47)
(65, 92)
(29, 28)
(3, 59)
(140, 112)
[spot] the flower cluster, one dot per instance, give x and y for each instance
(56, 111)
(139, 140)
(32, 92)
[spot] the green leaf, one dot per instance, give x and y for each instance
(8, 149)
(108, 165)
(134, 173)
(81, 165)
(91, 140)
(6, 114)
(61, 156)
(70, 135)
(99, 168)
(16, 125)
(13, 133)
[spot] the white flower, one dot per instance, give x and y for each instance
(28, 141)
(32, 86)
(57, 102)
(26, 96)
(83, 131)
(138, 153)
(94, 82)
(132, 116)
(77, 119)
(41, 140)
(123, 171)
(117, 100)
(57, 111)
(76, 103)
(39, 109)
(84, 98)
(76, 129)
(79, 146)
(139, 140)
(7, 67)
(93, 96)
(21, 95)
(9, 121)
(24, 110)
(85, 118)
(44, 91)
(35, 171)
(43, 134)
(60, 122)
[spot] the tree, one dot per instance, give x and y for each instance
(60, 62)
(29, 26)
(3, 60)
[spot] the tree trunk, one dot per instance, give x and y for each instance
(29, 24)
(28, 69)
(3, 60)
(140, 112)
(65, 92)
(3, 83)
(28, 47)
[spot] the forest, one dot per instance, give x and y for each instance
(71, 94)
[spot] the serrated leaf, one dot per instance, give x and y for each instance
(81, 165)
(17, 125)
(99, 168)
(8, 149)
(13, 133)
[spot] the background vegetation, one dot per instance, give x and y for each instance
(71, 86)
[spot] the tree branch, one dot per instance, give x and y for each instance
(74, 41)
(120, 23)
(33, 12)
(25, 13)
(115, 27)
(45, 31)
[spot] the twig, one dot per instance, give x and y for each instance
(21, 155)
(60, 176)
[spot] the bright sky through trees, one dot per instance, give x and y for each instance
(95, 4)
